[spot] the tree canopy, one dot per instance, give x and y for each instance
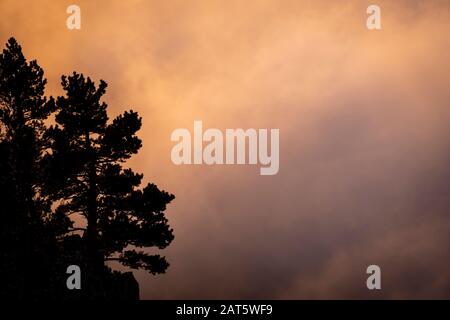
(50, 174)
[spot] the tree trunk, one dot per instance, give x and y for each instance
(93, 249)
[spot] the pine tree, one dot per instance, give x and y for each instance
(88, 178)
(26, 232)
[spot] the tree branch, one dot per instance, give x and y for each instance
(77, 229)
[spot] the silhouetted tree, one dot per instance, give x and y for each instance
(47, 175)
(27, 238)
(88, 178)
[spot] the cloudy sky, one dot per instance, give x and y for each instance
(364, 135)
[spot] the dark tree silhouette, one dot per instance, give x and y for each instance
(86, 162)
(27, 236)
(50, 174)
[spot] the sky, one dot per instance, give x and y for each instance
(364, 136)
